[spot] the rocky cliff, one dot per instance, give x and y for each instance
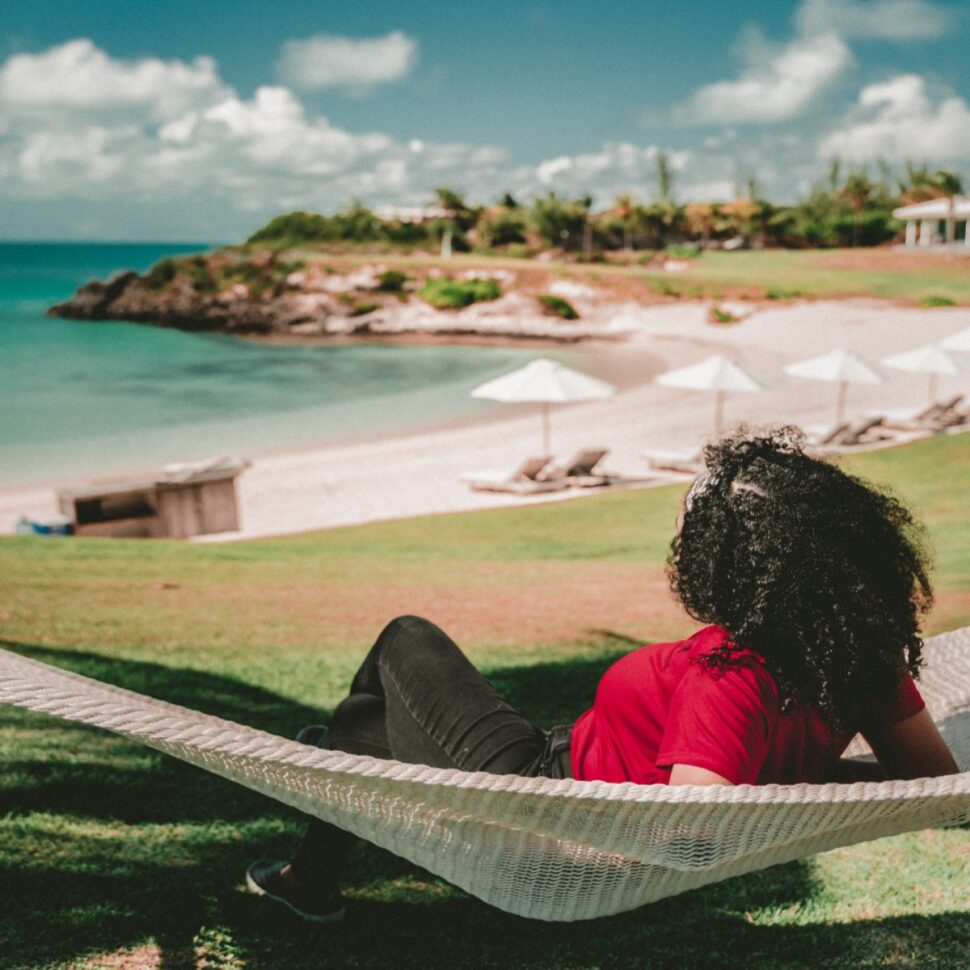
(266, 296)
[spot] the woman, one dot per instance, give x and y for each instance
(812, 584)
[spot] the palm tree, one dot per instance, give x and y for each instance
(835, 173)
(951, 185)
(701, 218)
(665, 178)
(917, 185)
(623, 209)
(459, 218)
(557, 221)
(858, 191)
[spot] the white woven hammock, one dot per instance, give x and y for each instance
(553, 850)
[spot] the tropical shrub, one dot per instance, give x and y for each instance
(717, 315)
(502, 227)
(444, 294)
(296, 227)
(559, 222)
(197, 268)
(392, 281)
(161, 274)
(558, 306)
(408, 233)
(359, 309)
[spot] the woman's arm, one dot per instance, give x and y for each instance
(692, 775)
(912, 748)
(849, 770)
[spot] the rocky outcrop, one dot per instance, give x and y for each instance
(129, 297)
(308, 304)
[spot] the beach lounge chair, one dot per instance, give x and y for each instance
(848, 434)
(681, 461)
(523, 480)
(935, 417)
(580, 471)
(577, 470)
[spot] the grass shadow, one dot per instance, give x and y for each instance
(76, 881)
(57, 766)
(686, 931)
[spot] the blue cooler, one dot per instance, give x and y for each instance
(45, 525)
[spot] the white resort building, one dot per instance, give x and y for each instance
(934, 223)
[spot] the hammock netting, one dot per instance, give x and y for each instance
(551, 850)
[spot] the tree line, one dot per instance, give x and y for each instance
(849, 207)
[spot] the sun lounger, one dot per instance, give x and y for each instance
(848, 434)
(520, 481)
(683, 462)
(935, 417)
(580, 471)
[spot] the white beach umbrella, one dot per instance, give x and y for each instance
(958, 341)
(544, 382)
(931, 359)
(716, 374)
(841, 367)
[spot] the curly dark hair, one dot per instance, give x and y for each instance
(820, 573)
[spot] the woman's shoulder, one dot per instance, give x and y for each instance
(712, 653)
(718, 642)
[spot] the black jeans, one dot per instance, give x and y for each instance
(417, 698)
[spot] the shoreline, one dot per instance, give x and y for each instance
(599, 358)
(380, 476)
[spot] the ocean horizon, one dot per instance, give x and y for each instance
(87, 399)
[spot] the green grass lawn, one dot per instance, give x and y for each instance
(788, 274)
(781, 274)
(112, 855)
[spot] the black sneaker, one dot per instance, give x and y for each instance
(263, 878)
(316, 735)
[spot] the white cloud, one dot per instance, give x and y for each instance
(899, 120)
(132, 134)
(64, 158)
(776, 84)
(326, 61)
(712, 190)
(617, 168)
(181, 152)
(180, 146)
(876, 19)
(78, 76)
(780, 83)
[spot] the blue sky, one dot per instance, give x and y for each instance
(178, 120)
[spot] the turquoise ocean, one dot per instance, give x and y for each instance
(81, 400)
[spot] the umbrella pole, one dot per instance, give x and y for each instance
(545, 428)
(840, 405)
(718, 413)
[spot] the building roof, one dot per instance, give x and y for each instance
(936, 209)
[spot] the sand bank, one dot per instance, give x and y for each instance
(420, 473)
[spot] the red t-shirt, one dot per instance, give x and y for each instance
(658, 706)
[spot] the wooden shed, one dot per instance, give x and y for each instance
(185, 500)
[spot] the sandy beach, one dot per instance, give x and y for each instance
(421, 473)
